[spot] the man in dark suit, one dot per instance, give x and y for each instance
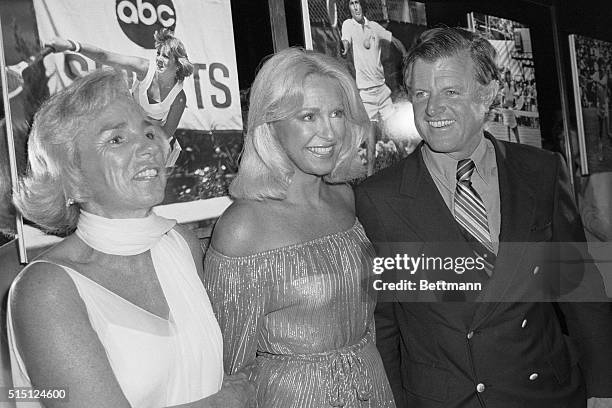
(464, 195)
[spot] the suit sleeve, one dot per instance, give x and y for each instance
(589, 324)
(387, 332)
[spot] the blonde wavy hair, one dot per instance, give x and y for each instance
(277, 93)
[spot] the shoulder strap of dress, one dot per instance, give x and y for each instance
(150, 73)
(44, 261)
(178, 86)
(143, 86)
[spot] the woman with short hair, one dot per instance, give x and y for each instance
(288, 264)
(116, 314)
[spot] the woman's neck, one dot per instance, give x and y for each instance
(114, 212)
(305, 188)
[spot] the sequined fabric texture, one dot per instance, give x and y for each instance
(300, 318)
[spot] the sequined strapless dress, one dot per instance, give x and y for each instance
(301, 317)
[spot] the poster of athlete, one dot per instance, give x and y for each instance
(591, 61)
(516, 117)
(199, 109)
(370, 37)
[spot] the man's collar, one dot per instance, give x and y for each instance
(479, 157)
(444, 166)
(365, 21)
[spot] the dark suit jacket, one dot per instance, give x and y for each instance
(504, 347)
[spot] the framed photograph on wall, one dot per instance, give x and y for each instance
(323, 21)
(516, 118)
(364, 35)
(210, 128)
(591, 75)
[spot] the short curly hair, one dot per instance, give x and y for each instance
(54, 173)
(444, 42)
(166, 41)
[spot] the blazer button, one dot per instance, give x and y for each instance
(470, 335)
(536, 270)
(533, 376)
(480, 387)
(524, 324)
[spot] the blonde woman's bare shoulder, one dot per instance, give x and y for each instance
(237, 230)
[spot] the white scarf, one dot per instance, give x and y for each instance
(125, 236)
(198, 370)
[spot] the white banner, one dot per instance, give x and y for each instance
(127, 27)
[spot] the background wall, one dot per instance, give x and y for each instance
(574, 17)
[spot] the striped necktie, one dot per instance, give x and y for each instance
(471, 215)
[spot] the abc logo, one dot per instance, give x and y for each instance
(139, 19)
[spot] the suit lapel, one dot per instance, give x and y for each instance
(517, 208)
(422, 209)
(419, 204)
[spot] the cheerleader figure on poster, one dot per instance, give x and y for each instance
(159, 82)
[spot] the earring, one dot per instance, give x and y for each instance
(70, 202)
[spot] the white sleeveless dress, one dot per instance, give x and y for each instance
(157, 362)
(157, 111)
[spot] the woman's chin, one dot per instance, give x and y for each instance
(150, 199)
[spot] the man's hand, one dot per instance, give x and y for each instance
(595, 402)
(345, 46)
